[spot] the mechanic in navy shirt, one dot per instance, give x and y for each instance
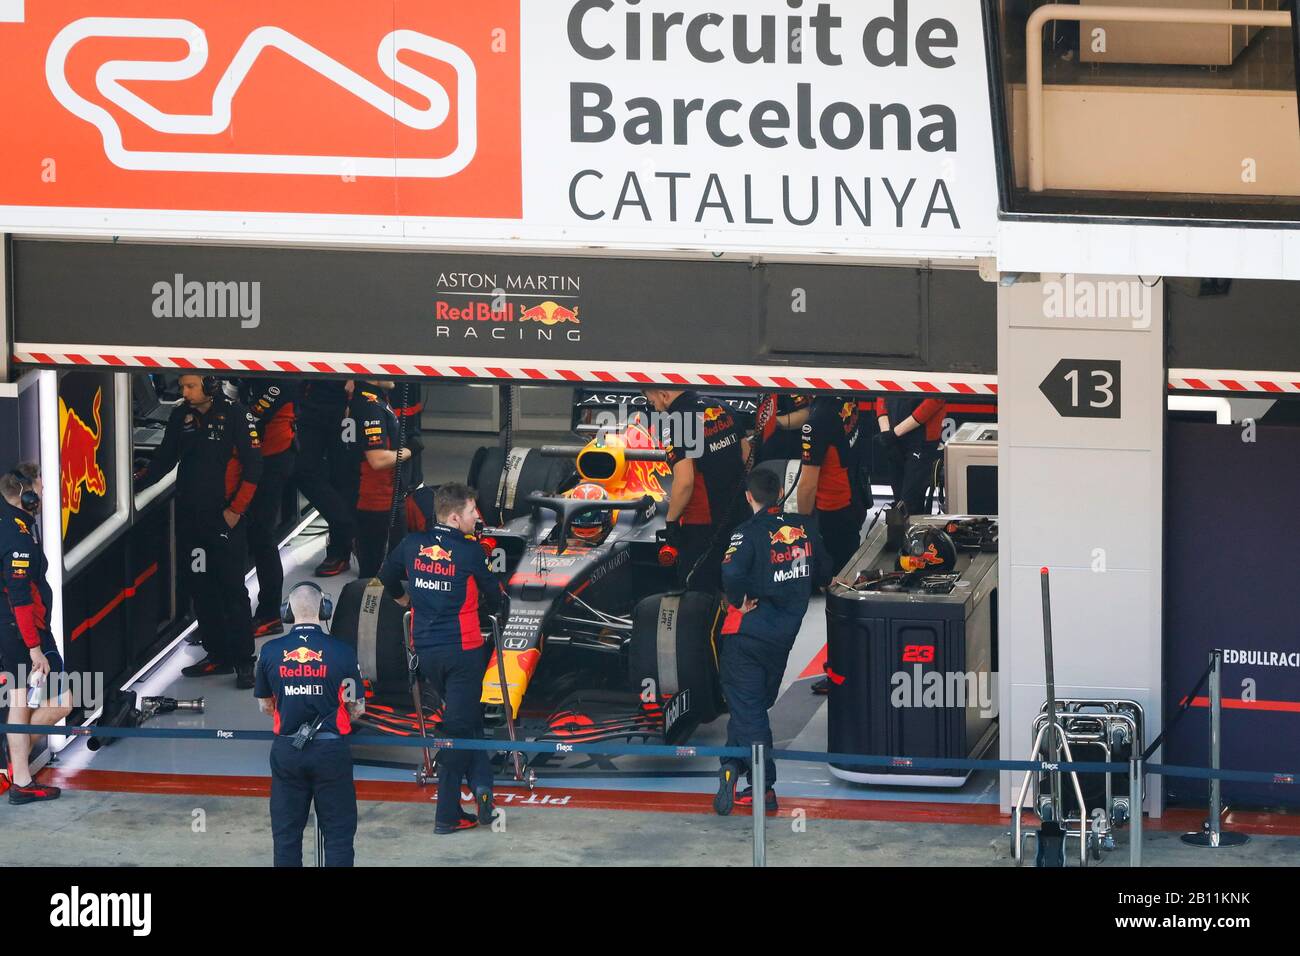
(447, 584)
(25, 638)
(308, 679)
(768, 573)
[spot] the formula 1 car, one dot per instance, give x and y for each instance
(595, 642)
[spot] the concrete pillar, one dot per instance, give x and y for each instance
(1082, 385)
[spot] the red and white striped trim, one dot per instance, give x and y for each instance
(1223, 380)
(783, 378)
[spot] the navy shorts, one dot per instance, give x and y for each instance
(13, 652)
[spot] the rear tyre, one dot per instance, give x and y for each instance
(503, 485)
(673, 645)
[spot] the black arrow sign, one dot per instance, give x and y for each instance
(1084, 388)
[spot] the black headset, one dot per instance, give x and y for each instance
(326, 604)
(211, 386)
(29, 500)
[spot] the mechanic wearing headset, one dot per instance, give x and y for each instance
(705, 502)
(378, 457)
(447, 584)
(768, 573)
(216, 443)
(25, 638)
(311, 684)
(910, 431)
(272, 403)
(825, 488)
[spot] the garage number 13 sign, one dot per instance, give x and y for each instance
(1084, 388)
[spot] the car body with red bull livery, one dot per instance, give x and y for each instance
(580, 566)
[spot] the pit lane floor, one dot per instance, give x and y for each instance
(799, 723)
(579, 783)
(121, 829)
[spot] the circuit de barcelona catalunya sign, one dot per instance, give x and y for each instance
(854, 126)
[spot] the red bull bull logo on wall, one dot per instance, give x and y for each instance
(79, 468)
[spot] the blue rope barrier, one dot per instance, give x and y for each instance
(672, 751)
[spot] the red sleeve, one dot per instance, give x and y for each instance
(881, 412)
(928, 409)
(25, 615)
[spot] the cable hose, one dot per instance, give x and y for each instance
(1183, 708)
(507, 436)
(398, 496)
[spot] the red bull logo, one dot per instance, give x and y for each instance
(712, 414)
(788, 535)
(302, 655)
(78, 458)
(435, 553)
(549, 313)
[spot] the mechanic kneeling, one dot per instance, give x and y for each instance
(447, 583)
(768, 574)
(312, 685)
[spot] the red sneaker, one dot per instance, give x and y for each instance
(32, 793)
(331, 567)
(268, 626)
(745, 801)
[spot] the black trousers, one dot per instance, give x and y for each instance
(320, 773)
(211, 559)
(913, 477)
(841, 534)
(457, 676)
(377, 534)
(322, 473)
(751, 670)
(263, 518)
(711, 542)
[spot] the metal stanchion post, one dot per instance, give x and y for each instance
(758, 777)
(1211, 835)
(1135, 798)
(320, 841)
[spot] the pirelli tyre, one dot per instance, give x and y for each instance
(673, 644)
(504, 482)
(367, 619)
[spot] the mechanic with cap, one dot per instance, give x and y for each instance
(324, 469)
(708, 468)
(272, 403)
(825, 479)
(311, 685)
(379, 455)
(911, 428)
(216, 443)
(447, 584)
(27, 648)
(768, 572)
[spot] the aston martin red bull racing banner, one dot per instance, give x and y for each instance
(762, 125)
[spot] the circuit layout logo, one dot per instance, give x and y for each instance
(384, 108)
